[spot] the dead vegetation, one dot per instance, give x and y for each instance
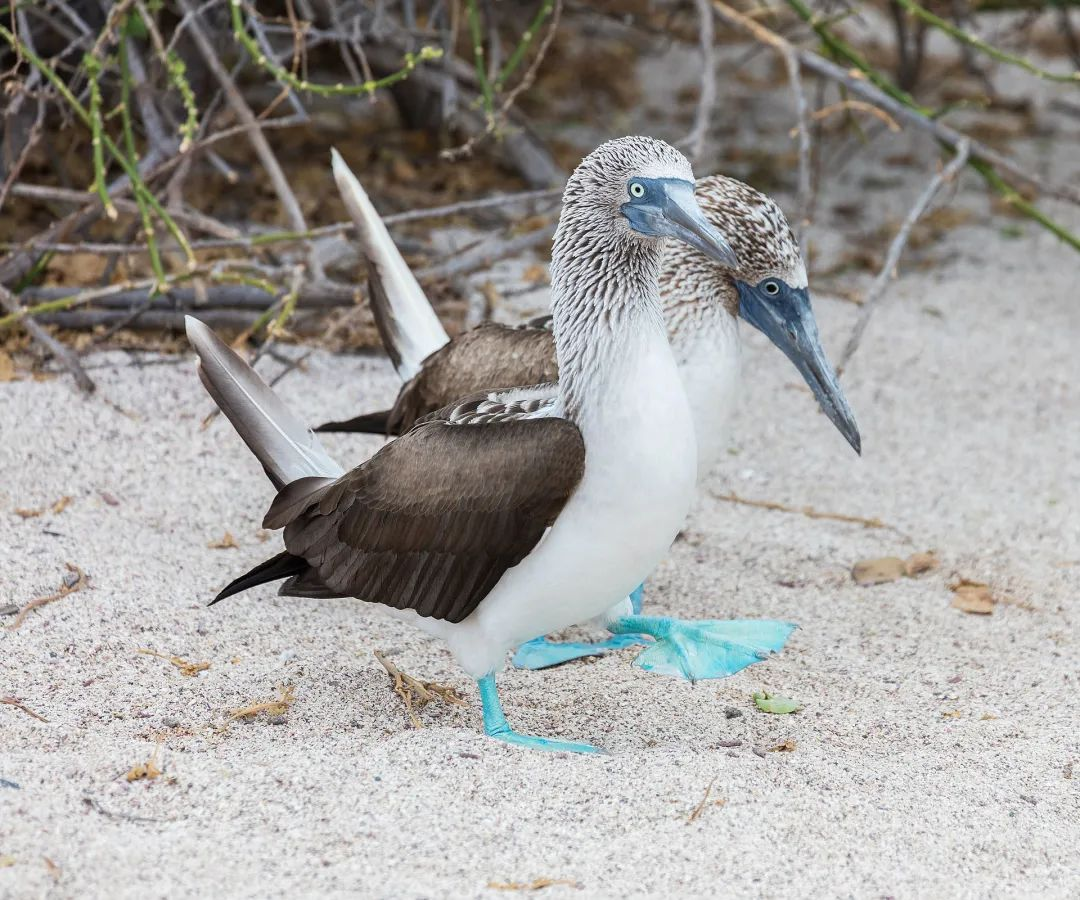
(202, 131)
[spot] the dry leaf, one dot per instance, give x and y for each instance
(227, 542)
(6, 861)
(952, 714)
(787, 746)
(52, 868)
(987, 717)
(24, 513)
(972, 597)
(878, 571)
(774, 703)
(60, 505)
(920, 564)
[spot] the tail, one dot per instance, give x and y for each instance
(284, 565)
(407, 324)
(366, 423)
(282, 443)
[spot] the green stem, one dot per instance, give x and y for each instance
(527, 38)
(129, 146)
(1014, 199)
(972, 41)
(323, 90)
(476, 35)
(97, 130)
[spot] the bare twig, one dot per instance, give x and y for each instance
(48, 343)
(807, 511)
(254, 134)
(694, 142)
(888, 270)
(22, 707)
(417, 694)
(76, 580)
(700, 808)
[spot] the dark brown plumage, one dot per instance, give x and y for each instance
(433, 520)
(490, 356)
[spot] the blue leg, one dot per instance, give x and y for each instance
(706, 649)
(496, 726)
(543, 653)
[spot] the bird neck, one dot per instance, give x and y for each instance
(604, 301)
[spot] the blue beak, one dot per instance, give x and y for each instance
(787, 319)
(668, 209)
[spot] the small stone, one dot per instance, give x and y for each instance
(171, 722)
(276, 720)
(729, 744)
(730, 712)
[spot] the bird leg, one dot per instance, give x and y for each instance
(543, 653)
(704, 649)
(496, 726)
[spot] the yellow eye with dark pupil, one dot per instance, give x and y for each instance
(637, 190)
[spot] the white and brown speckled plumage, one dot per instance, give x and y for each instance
(489, 523)
(700, 305)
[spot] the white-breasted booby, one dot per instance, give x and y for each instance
(516, 513)
(702, 301)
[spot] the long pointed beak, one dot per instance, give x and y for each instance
(688, 223)
(787, 320)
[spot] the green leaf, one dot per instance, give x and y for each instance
(774, 703)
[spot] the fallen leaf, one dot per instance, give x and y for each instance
(6, 862)
(987, 717)
(227, 542)
(919, 564)
(774, 703)
(52, 868)
(878, 571)
(787, 746)
(952, 714)
(972, 597)
(60, 505)
(24, 513)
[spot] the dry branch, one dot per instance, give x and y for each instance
(892, 258)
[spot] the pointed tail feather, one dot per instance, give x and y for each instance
(366, 423)
(407, 324)
(285, 446)
(284, 565)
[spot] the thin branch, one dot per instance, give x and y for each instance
(694, 142)
(63, 355)
(892, 258)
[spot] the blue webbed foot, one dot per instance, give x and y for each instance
(496, 726)
(543, 653)
(705, 649)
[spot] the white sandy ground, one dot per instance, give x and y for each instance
(971, 424)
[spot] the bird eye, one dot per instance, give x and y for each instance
(637, 189)
(772, 288)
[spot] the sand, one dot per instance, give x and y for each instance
(934, 755)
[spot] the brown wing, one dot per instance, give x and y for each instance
(488, 356)
(433, 520)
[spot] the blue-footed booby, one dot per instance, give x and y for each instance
(702, 302)
(518, 512)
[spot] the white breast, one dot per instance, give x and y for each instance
(707, 351)
(639, 482)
